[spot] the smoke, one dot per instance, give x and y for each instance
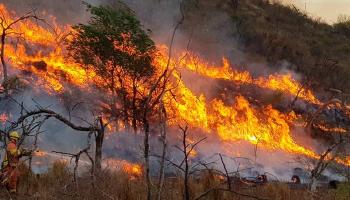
(207, 30)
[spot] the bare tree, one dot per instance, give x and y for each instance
(76, 158)
(163, 137)
(323, 163)
(186, 149)
(35, 118)
(153, 98)
(185, 165)
(228, 184)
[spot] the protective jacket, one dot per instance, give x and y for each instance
(12, 154)
(10, 171)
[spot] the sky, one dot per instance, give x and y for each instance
(328, 10)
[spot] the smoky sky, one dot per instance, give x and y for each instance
(205, 26)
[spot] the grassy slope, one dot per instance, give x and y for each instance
(275, 33)
(317, 50)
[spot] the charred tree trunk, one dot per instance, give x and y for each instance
(125, 110)
(186, 153)
(322, 164)
(99, 143)
(163, 118)
(4, 66)
(134, 112)
(5, 28)
(113, 105)
(146, 154)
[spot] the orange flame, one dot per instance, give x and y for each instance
(284, 83)
(45, 58)
(40, 153)
(327, 129)
(134, 170)
(3, 118)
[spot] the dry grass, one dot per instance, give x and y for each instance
(57, 184)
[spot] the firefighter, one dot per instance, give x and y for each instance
(9, 168)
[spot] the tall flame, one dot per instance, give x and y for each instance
(240, 121)
(284, 83)
(41, 53)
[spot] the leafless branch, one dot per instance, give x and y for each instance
(227, 174)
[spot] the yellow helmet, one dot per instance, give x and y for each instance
(14, 135)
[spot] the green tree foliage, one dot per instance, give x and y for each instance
(115, 47)
(94, 44)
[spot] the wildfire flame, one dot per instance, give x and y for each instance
(45, 59)
(42, 55)
(284, 83)
(39, 153)
(3, 118)
(328, 129)
(132, 169)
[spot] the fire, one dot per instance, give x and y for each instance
(327, 129)
(3, 118)
(51, 65)
(45, 56)
(284, 83)
(132, 169)
(240, 121)
(39, 153)
(42, 55)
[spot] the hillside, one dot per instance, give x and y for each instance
(278, 33)
(317, 50)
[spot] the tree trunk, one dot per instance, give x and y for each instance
(313, 184)
(126, 107)
(163, 118)
(4, 67)
(187, 192)
(99, 143)
(146, 154)
(134, 113)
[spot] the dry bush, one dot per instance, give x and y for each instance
(57, 183)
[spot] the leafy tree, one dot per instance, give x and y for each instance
(115, 47)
